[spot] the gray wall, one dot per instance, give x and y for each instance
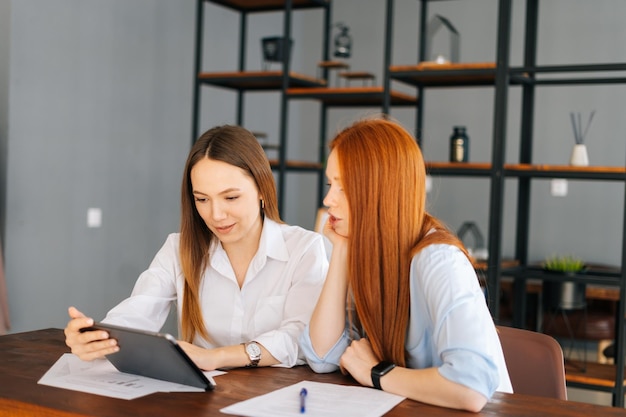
(588, 222)
(100, 110)
(5, 36)
(100, 102)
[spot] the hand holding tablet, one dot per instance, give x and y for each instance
(151, 354)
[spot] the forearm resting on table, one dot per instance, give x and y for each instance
(226, 357)
(428, 386)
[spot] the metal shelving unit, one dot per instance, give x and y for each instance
(498, 74)
(293, 86)
(242, 80)
(528, 77)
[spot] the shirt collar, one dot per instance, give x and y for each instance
(272, 243)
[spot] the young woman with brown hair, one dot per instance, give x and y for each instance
(401, 308)
(236, 273)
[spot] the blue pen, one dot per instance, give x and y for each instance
(302, 400)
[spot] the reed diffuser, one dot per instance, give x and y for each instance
(579, 155)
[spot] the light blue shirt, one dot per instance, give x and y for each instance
(449, 327)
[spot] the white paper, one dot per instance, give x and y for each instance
(102, 378)
(322, 399)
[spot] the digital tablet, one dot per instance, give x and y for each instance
(151, 354)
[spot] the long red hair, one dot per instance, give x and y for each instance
(384, 176)
(238, 147)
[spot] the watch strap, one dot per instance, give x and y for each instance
(380, 370)
(254, 358)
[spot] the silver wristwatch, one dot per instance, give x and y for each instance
(254, 353)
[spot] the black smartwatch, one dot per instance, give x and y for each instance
(380, 370)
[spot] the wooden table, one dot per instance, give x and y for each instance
(25, 357)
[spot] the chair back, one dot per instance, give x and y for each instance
(534, 361)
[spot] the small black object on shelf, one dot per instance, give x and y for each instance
(342, 41)
(459, 145)
(274, 50)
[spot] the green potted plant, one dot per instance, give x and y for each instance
(566, 264)
(560, 294)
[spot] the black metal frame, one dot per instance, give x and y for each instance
(529, 81)
(503, 76)
(528, 78)
(286, 80)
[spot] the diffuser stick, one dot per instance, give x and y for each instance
(588, 124)
(574, 126)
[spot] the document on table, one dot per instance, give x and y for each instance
(102, 378)
(322, 399)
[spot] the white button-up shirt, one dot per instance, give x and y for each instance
(276, 301)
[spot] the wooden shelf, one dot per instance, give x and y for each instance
(431, 74)
(530, 170)
(555, 74)
(472, 165)
(567, 171)
(333, 65)
(358, 75)
(592, 291)
(268, 5)
(504, 263)
(596, 374)
(351, 96)
(257, 80)
(590, 276)
(476, 169)
(566, 168)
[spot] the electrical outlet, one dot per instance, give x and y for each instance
(558, 187)
(94, 217)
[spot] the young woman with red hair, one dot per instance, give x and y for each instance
(236, 273)
(401, 309)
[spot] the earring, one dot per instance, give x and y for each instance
(262, 204)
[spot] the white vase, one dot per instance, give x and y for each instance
(579, 156)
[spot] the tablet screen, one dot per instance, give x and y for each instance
(151, 354)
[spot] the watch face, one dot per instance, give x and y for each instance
(253, 350)
(383, 367)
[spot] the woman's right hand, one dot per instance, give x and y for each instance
(334, 237)
(88, 345)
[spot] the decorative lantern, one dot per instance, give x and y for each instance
(342, 41)
(436, 23)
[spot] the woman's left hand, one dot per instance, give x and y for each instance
(358, 360)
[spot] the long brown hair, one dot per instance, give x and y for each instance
(384, 176)
(238, 147)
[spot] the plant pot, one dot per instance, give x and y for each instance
(564, 295)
